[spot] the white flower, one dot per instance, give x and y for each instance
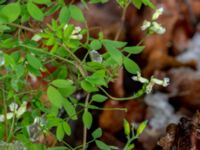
(157, 28)
(146, 25)
(140, 78)
(76, 30)
(149, 87)
(95, 56)
(21, 110)
(164, 82)
(78, 37)
(157, 13)
(151, 83)
(13, 107)
(2, 60)
(36, 37)
(75, 33)
(14, 111)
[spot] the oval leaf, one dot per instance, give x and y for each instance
(76, 13)
(97, 133)
(55, 97)
(134, 49)
(60, 83)
(35, 11)
(64, 15)
(33, 61)
(131, 66)
(70, 109)
(11, 11)
(67, 128)
(101, 145)
(60, 132)
(87, 119)
(99, 98)
(141, 127)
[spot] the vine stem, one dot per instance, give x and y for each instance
(123, 17)
(23, 27)
(84, 128)
(5, 113)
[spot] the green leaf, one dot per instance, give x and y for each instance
(66, 128)
(134, 49)
(55, 97)
(97, 133)
(70, 109)
(99, 98)
(95, 45)
(33, 61)
(11, 11)
(35, 11)
(131, 147)
(60, 83)
(149, 3)
(141, 127)
(101, 145)
(76, 13)
(47, 2)
(58, 148)
(87, 119)
(98, 1)
(137, 3)
(113, 51)
(64, 15)
(131, 66)
(88, 87)
(126, 127)
(60, 132)
(97, 78)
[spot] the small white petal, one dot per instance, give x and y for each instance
(140, 78)
(65, 27)
(165, 82)
(157, 28)
(149, 87)
(9, 115)
(157, 13)
(21, 110)
(36, 37)
(146, 24)
(13, 107)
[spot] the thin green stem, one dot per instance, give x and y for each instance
(5, 114)
(123, 17)
(47, 53)
(136, 95)
(23, 27)
(84, 128)
(79, 63)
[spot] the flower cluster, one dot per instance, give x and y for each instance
(14, 111)
(150, 83)
(152, 26)
(75, 33)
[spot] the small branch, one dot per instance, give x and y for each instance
(121, 22)
(136, 95)
(23, 27)
(84, 128)
(5, 114)
(79, 66)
